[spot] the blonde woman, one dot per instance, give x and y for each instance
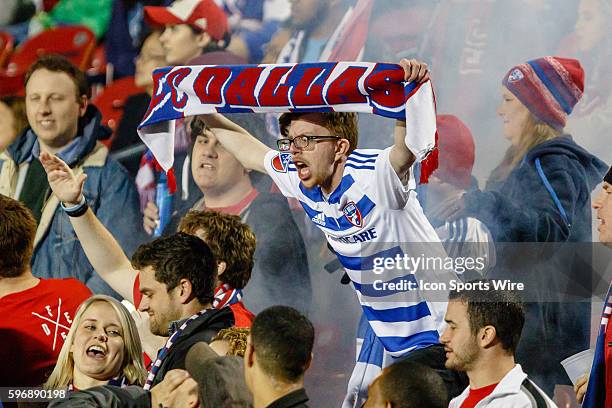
(540, 193)
(102, 347)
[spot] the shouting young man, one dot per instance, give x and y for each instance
(364, 201)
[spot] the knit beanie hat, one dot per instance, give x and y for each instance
(549, 87)
(456, 146)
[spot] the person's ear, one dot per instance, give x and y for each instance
(185, 291)
(203, 39)
(342, 148)
(486, 336)
(221, 267)
(309, 362)
(249, 353)
(82, 101)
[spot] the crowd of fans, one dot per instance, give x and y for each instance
(110, 296)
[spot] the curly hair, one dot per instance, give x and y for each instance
(236, 338)
(231, 240)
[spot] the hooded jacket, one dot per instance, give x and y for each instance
(108, 190)
(540, 218)
(523, 208)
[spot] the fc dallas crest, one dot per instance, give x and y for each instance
(280, 162)
(352, 213)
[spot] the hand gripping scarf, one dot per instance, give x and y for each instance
(377, 88)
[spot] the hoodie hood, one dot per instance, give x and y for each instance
(595, 169)
(88, 133)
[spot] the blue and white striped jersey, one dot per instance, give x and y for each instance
(369, 215)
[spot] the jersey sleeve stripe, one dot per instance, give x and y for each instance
(352, 159)
(359, 154)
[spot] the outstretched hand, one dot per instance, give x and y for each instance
(415, 71)
(65, 185)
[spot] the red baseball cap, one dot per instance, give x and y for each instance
(202, 14)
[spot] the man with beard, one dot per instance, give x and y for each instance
(484, 328)
(177, 275)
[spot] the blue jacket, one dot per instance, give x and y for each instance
(109, 192)
(544, 199)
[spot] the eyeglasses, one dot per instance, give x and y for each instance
(300, 142)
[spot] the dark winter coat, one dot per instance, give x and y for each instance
(544, 205)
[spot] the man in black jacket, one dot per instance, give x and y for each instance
(177, 280)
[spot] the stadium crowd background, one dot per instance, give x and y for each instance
(468, 44)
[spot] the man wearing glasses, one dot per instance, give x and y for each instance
(364, 202)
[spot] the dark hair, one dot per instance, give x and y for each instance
(17, 106)
(341, 124)
(231, 240)
(17, 232)
(410, 385)
(282, 339)
(502, 309)
(58, 63)
(180, 256)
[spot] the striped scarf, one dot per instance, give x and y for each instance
(163, 353)
(225, 295)
(596, 392)
(367, 87)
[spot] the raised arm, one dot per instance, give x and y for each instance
(249, 151)
(400, 156)
(101, 248)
